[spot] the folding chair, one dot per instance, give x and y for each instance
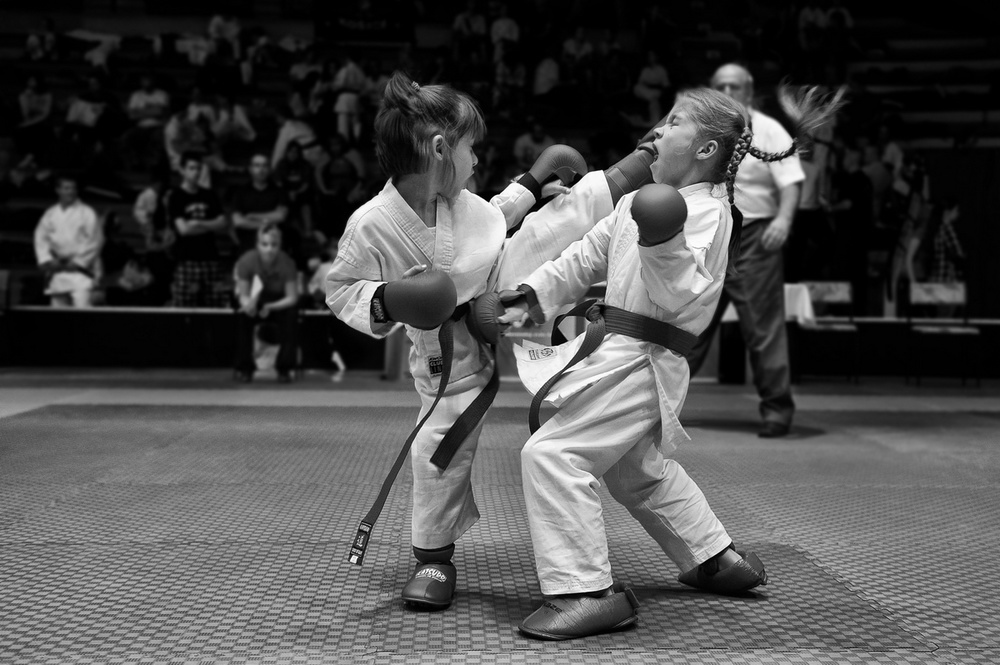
(934, 332)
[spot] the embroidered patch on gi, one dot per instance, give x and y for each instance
(541, 354)
(432, 573)
(435, 364)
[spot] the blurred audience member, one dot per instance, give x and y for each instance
(200, 277)
(33, 135)
(504, 32)
(348, 84)
(268, 294)
(234, 134)
(948, 260)
(336, 179)
(293, 130)
(68, 241)
(148, 109)
(257, 204)
(294, 176)
(468, 32)
(853, 227)
(42, 45)
(224, 31)
(653, 86)
(529, 145)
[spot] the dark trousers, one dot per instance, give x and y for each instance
(286, 322)
(758, 293)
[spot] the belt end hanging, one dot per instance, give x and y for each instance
(360, 544)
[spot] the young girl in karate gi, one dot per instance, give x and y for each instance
(424, 218)
(617, 417)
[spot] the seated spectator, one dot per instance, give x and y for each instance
(337, 180)
(200, 276)
(294, 176)
(529, 145)
(349, 83)
(234, 134)
(293, 129)
(256, 205)
(504, 32)
(182, 135)
(93, 117)
(28, 178)
(201, 107)
(577, 54)
(148, 109)
(267, 292)
(33, 135)
(68, 241)
(468, 32)
(126, 280)
(224, 31)
(159, 237)
(652, 87)
(42, 45)
(316, 299)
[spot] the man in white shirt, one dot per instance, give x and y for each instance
(68, 241)
(767, 194)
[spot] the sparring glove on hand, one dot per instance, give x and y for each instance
(660, 212)
(424, 300)
(560, 160)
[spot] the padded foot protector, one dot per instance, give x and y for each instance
(431, 587)
(567, 618)
(738, 578)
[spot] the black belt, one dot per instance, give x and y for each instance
(603, 319)
(451, 442)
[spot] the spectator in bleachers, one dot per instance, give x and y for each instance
(294, 176)
(158, 237)
(257, 204)
(468, 32)
(853, 228)
(653, 87)
(509, 84)
(293, 129)
(529, 145)
(812, 23)
(547, 75)
(504, 31)
(348, 84)
(200, 107)
(200, 276)
(337, 180)
(27, 178)
(577, 56)
(42, 45)
(224, 31)
(268, 293)
(948, 260)
(148, 109)
(612, 80)
(33, 135)
(68, 241)
(126, 280)
(315, 298)
(94, 117)
(232, 131)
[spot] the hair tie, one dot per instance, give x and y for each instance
(416, 86)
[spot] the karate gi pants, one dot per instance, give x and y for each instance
(609, 430)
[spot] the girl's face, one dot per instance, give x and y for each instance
(676, 143)
(464, 160)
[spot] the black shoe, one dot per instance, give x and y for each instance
(242, 377)
(432, 586)
(284, 377)
(773, 430)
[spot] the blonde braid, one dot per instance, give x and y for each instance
(739, 152)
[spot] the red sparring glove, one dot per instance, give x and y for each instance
(631, 173)
(560, 160)
(660, 212)
(424, 300)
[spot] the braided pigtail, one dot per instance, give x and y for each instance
(809, 109)
(743, 145)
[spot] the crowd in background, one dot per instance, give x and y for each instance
(282, 128)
